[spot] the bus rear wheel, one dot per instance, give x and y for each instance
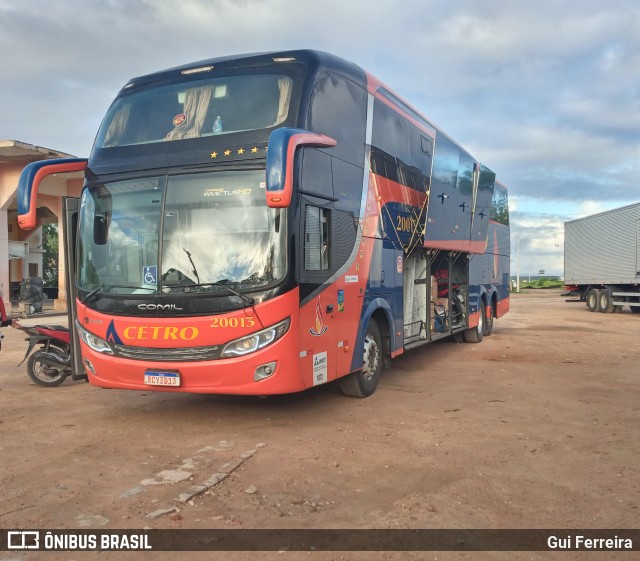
(364, 382)
(475, 334)
(488, 323)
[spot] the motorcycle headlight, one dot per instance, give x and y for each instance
(255, 341)
(93, 341)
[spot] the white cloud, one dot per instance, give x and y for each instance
(545, 93)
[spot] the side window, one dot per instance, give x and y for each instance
(339, 109)
(446, 164)
(465, 174)
(500, 205)
(316, 239)
(390, 132)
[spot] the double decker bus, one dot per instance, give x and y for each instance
(265, 223)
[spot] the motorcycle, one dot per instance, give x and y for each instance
(51, 363)
(5, 321)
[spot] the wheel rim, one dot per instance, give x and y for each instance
(45, 372)
(481, 322)
(371, 357)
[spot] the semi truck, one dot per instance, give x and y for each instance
(602, 259)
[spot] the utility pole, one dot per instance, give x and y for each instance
(518, 265)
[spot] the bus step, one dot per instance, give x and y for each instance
(412, 344)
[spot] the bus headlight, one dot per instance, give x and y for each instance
(255, 341)
(93, 341)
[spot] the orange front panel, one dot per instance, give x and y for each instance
(223, 375)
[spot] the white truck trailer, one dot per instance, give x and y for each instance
(602, 259)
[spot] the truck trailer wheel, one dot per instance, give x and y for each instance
(593, 299)
(605, 302)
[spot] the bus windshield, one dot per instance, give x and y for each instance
(196, 109)
(207, 233)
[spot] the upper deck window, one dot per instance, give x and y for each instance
(500, 205)
(197, 109)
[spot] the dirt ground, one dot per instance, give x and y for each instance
(535, 427)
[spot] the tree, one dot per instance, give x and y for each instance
(50, 256)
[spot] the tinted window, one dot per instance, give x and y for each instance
(500, 205)
(421, 152)
(316, 239)
(446, 163)
(338, 109)
(390, 132)
(196, 109)
(465, 174)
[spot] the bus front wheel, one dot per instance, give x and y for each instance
(364, 382)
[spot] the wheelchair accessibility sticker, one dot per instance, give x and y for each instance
(150, 274)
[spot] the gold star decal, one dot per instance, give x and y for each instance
(240, 151)
(227, 152)
(214, 154)
(254, 150)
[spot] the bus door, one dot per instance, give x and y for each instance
(318, 314)
(71, 206)
(416, 297)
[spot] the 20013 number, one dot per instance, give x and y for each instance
(245, 321)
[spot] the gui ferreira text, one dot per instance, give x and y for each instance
(587, 543)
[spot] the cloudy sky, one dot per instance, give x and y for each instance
(545, 93)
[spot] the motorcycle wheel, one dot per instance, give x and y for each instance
(44, 374)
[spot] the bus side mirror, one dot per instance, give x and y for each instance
(280, 159)
(29, 183)
(102, 218)
(100, 229)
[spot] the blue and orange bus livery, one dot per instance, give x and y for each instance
(263, 224)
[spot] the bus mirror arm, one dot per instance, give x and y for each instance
(29, 182)
(283, 143)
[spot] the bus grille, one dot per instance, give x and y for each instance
(168, 355)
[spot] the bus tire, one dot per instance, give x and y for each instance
(475, 334)
(593, 299)
(364, 382)
(488, 321)
(605, 302)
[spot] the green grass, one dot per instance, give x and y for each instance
(542, 283)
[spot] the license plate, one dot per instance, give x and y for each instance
(161, 378)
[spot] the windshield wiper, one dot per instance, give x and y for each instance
(91, 293)
(103, 287)
(248, 300)
(194, 270)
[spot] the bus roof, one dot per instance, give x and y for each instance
(313, 60)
